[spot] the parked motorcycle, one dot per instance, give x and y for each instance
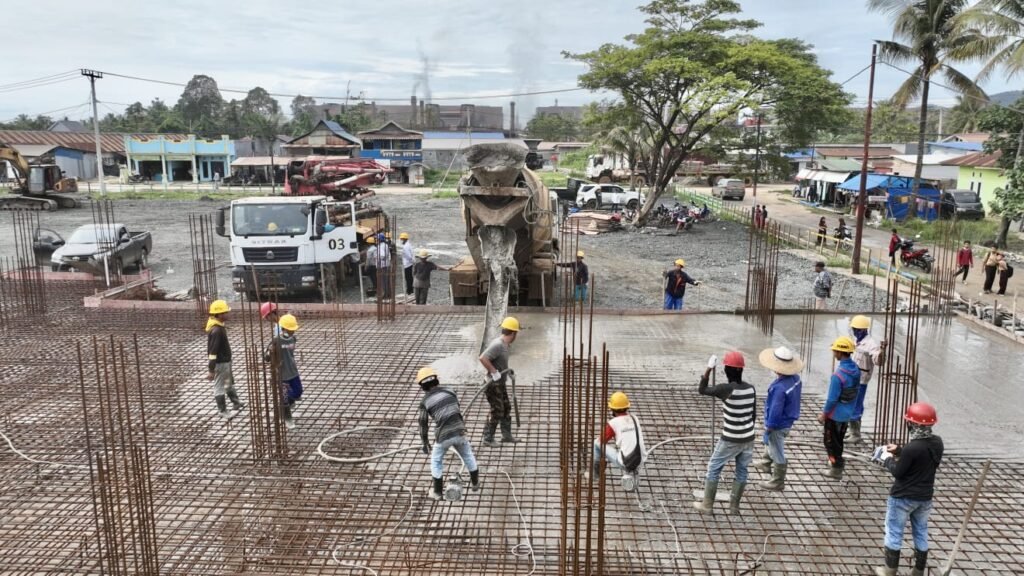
(911, 256)
(844, 237)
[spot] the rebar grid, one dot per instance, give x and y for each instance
(385, 280)
(944, 273)
(807, 321)
(762, 274)
(204, 261)
(219, 511)
(104, 219)
(22, 289)
(898, 377)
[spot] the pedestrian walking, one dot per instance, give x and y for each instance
(757, 217)
(421, 275)
(822, 286)
(991, 267)
(495, 360)
(867, 354)
(622, 441)
(1005, 273)
(764, 216)
(580, 276)
(894, 246)
(407, 262)
(842, 396)
(675, 285)
(442, 406)
(913, 468)
(287, 371)
(218, 353)
(781, 411)
(822, 233)
(965, 260)
(736, 444)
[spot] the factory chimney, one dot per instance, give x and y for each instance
(512, 120)
(412, 111)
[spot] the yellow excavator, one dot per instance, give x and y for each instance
(37, 186)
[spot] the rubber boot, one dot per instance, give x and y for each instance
(289, 422)
(708, 503)
(222, 408)
(233, 396)
(437, 491)
(506, 432)
(835, 472)
(489, 428)
(474, 480)
(892, 563)
(854, 432)
(764, 463)
(735, 497)
(777, 483)
(920, 562)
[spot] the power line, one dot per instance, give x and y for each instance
(347, 99)
(48, 112)
(848, 80)
(37, 85)
(68, 74)
(951, 89)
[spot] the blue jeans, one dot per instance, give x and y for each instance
(461, 446)
(858, 407)
(611, 454)
(776, 443)
(741, 452)
(293, 389)
(896, 513)
(672, 303)
(580, 294)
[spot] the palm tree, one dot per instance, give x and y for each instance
(964, 117)
(925, 34)
(995, 29)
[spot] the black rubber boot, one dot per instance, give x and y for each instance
(474, 480)
(764, 463)
(506, 432)
(892, 563)
(777, 483)
(233, 396)
(735, 496)
(437, 491)
(489, 429)
(835, 472)
(854, 432)
(920, 562)
(222, 408)
(708, 503)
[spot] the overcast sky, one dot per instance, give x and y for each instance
(474, 48)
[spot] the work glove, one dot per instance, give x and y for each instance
(881, 454)
(495, 376)
(712, 362)
(426, 449)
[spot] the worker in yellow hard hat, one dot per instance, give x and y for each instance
(622, 441)
(442, 406)
(676, 280)
(839, 404)
(370, 266)
(408, 261)
(494, 359)
(282, 349)
(867, 354)
(580, 276)
(218, 354)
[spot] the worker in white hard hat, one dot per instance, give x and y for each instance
(408, 261)
(442, 406)
(580, 276)
(867, 354)
(218, 353)
(494, 359)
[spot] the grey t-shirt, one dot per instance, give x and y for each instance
(421, 273)
(497, 352)
(287, 369)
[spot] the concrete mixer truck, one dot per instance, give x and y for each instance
(509, 219)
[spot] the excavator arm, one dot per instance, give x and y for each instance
(20, 164)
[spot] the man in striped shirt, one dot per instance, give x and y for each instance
(442, 406)
(739, 406)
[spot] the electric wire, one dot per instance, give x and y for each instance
(39, 85)
(67, 74)
(951, 89)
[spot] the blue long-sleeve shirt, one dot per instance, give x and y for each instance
(842, 391)
(782, 406)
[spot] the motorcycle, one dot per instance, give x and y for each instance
(919, 257)
(702, 214)
(844, 237)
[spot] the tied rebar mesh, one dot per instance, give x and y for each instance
(268, 433)
(385, 275)
(104, 222)
(22, 287)
(118, 454)
(898, 376)
(204, 261)
(762, 274)
(945, 272)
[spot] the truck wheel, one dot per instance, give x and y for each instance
(590, 205)
(640, 181)
(604, 179)
(143, 261)
(632, 204)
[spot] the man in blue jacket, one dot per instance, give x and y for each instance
(781, 410)
(840, 404)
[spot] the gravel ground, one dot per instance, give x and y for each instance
(627, 266)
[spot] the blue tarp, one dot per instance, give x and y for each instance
(897, 190)
(877, 181)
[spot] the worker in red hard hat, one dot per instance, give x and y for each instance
(913, 466)
(269, 313)
(739, 404)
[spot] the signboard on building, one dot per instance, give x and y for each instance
(402, 154)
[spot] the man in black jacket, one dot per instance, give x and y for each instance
(218, 354)
(913, 466)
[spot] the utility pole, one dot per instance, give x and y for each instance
(757, 152)
(93, 75)
(862, 195)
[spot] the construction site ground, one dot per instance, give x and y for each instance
(220, 510)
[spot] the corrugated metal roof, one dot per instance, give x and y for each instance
(110, 141)
(976, 159)
(33, 150)
(966, 146)
(926, 160)
(857, 152)
(463, 143)
(434, 134)
(260, 161)
(339, 131)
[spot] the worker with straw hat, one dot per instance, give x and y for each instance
(421, 275)
(781, 411)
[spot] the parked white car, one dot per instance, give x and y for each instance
(593, 196)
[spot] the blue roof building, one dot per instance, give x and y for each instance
(179, 158)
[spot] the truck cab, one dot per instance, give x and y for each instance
(289, 245)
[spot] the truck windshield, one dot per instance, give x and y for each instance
(91, 235)
(269, 219)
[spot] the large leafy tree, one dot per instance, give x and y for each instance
(553, 127)
(200, 104)
(1006, 126)
(696, 67)
(927, 38)
(26, 122)
(303, 114)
